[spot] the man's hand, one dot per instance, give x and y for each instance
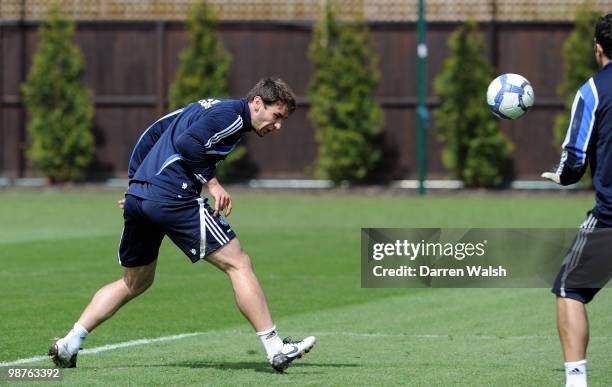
(121, 203)
(222, 198)
(551, 176)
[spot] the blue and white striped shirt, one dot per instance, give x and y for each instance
(589, 141)
(178, 153)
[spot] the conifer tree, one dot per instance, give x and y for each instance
(203, 72)
(343, 110)
(59, 107)
(204, 64)
(476, 152)
(580, 64)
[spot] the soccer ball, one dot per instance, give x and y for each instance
(510, 96)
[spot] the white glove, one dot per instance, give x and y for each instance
(551, 176)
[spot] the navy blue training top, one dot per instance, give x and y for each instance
(178, 153)
(589, 141)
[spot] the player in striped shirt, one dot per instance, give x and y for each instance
(587, 267)
(171, 163)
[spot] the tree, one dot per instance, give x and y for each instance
(203, 71)
(343, 110)
(61, 115)
(580, 65)
(476, 152)
(205, 63)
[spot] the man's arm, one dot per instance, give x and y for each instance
(201, 136)
(193, 145)
(193, 151)
(576, 145)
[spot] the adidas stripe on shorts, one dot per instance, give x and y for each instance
(587, 266)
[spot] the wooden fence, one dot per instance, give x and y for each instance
(130, 65)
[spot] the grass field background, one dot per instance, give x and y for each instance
(58, 247)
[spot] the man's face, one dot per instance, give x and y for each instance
(267, 118)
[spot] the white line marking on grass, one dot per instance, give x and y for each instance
(24, 361)
(439, 336)
(108, 347)
(235, 332)
(431, 336)
(132, 343)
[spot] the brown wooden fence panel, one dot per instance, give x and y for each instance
(130, 65)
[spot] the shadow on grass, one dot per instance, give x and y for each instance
(250, 365)
(243, 365)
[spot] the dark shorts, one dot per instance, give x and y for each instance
(587, 267)
(190, 225)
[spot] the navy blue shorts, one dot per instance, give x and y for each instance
(587, 267)
(190, 225)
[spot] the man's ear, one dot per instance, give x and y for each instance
(257, 103)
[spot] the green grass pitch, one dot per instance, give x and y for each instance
(58, 247)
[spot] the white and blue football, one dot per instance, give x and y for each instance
(510, 96)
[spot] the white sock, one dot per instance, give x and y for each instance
(271, 342)
(74, 338)
(576, 373)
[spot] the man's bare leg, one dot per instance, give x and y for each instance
(113, 296)
(573, 326)
(103, 305)
(248, 293)
(252, 302)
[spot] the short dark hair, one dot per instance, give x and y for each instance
(603, 34)
(273, 90)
